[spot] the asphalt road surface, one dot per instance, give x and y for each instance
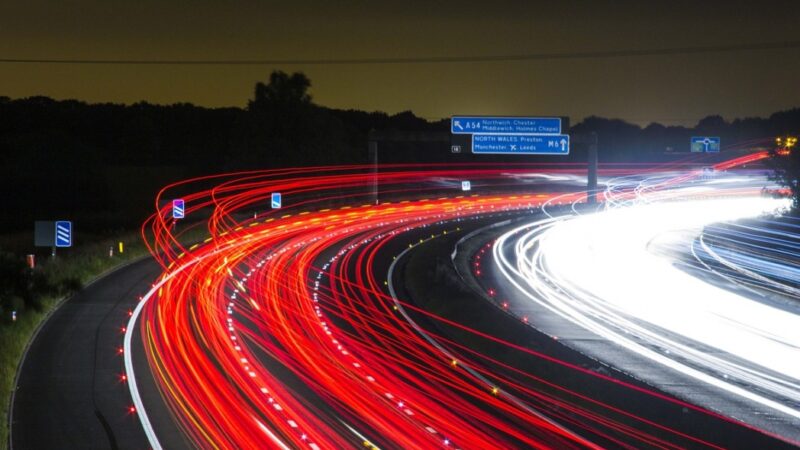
(70, 393)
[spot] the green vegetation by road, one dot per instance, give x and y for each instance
(34, 295)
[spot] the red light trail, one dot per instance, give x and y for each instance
(278, 331)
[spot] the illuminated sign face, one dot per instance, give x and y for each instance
(557, 144)
(511, 135)
(63, 233)
(276, 200)
(178, 209)
(505, 125)
(705, 144)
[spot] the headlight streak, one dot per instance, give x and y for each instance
(757, 256)
(595, 271)
(296, 288)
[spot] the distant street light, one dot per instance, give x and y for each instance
(785, 144)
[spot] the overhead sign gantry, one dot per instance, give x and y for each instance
(512, 135)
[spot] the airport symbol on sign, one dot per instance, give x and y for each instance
(178, 209)
(512, 135)
(466, 185)
(63, 233)
(276, 200)
(520, 144)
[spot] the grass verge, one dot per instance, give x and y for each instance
(65, 274)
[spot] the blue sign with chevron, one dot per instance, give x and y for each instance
(63, 233)
(178, 209)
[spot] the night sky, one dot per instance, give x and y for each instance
(671, 89)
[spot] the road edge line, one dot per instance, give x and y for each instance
(59, 303)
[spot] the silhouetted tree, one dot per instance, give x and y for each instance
(712, 125)
(284, 127)
(284, 91)
(616, 139)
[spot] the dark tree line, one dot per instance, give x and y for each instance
(622, 141)
(105, 162)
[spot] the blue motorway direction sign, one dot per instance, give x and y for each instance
(178, 209)
(63, 233)
(705, 144)
(276, 200)
(521, 144)
(505, 125)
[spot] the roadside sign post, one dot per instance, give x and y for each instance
(178, 209)
(591, 176)
(590, 140)
(372, 150)
(276, 200)
(44, 235)
(63, 236)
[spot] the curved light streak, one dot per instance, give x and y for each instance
(599, 271)
(295, 294)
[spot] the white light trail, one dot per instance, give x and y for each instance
(599, 271)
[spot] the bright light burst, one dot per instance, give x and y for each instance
(620, 273)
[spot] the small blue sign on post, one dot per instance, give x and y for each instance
(466, 185)
(178, 209)
(505, 125)
(63, 233)
(276, 200)
(532, 144)
(705, 144)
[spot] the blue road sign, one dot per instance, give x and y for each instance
(466, 185)
(705, 144)
(63, 233)
(505, 125)
(276, 200)
(521, 144)
(178, 209)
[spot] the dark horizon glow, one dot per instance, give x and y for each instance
(436, 60)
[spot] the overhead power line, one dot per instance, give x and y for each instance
(780, 45)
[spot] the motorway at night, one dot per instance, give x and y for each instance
(381, 225)
(286, 328)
